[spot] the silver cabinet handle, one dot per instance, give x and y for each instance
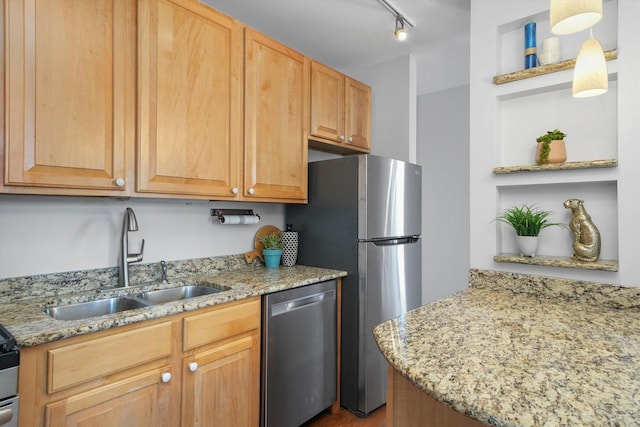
(119, 182)
(341, 137)
(166, 377)
(350, 139)
(251, 190)
(193, 366)
(234, 190)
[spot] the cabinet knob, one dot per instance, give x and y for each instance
(166, 377)
(234, 190)
(251, 190)
(193, 366)
(119, 182)
(341, 137)
(350, 139)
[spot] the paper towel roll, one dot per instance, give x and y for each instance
(238, 219)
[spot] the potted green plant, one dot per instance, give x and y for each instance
(272, 249)
(551, 148)
(527, 221)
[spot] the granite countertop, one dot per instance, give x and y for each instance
(24, 317)
(517, 351)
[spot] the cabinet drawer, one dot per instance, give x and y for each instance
(221, 323)
(77, 363)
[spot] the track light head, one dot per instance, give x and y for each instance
(400, 32)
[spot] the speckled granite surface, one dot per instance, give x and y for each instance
(22, 300)
(518, 350)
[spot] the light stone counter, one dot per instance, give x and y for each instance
(519, 350)
(22, 300)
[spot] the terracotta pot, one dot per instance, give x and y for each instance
(558, 153)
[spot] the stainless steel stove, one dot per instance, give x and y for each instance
(9, 363)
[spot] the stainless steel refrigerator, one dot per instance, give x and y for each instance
(364, 217)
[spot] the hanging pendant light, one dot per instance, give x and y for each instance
(571, 16)
(590, 77)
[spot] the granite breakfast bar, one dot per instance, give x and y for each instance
(519, 350)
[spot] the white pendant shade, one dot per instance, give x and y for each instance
(571, 16)
(590, 75)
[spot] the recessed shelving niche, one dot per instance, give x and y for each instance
(591, 126)
(601, 202)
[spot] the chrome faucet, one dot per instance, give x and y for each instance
(163, 266)
(129, 223)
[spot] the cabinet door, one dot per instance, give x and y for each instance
(189, 99)
(358, 114)
(70, 99)
(223, 385)
(327, 103)
(142, 400)
(276, 120)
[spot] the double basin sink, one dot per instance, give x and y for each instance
(85, 310)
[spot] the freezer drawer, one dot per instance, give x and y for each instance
(299, 354)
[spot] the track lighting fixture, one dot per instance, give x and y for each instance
(400, 33)
(401, 20)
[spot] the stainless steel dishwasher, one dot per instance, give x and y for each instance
(299, 354)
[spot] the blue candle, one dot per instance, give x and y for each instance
(530, 58)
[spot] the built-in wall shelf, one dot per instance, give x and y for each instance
(556, 261)
(588, 164)
(546, 69)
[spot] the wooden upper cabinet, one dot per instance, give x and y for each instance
(69, 94)
(327, 102)
(189, 99)
(340, 111)
(357, 114)
(276, 120)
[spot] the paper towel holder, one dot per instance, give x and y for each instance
(220, 213)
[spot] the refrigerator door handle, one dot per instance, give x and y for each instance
(392, 242)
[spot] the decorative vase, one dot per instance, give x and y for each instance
(289, 246)
(551, 52)
(530, 58)
(272, 257)
(528, 245)
(557, 153)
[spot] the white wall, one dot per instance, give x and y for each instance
(48, 234)
(443, 152)
(393, 107)
(610, 195)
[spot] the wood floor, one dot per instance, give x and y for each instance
(344, 418)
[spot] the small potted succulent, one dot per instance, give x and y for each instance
(551, 148)
(527, 221)
(272, 249)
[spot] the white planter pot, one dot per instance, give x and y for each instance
(528, 245)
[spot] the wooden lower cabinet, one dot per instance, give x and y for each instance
(407, 405)
(142, 400)
(144, 374)
(221, 383)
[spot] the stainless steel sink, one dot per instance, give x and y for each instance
(85, 310)
(174, 294)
